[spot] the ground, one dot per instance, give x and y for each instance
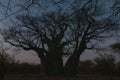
(79, 77)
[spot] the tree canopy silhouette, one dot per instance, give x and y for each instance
(116, 47)
(57, 33)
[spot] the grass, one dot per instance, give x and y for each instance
(79, 77)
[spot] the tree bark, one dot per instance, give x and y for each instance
(53, 66)
(2, 71)
(71, 66)
(2, 76)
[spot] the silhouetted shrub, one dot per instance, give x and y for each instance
(105, 64)
(86, 66)
(23, 68)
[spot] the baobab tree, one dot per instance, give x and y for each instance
(57, 33)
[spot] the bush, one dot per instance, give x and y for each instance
(105, 64)
(86, 66)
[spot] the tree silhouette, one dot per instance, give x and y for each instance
(116, 47)
(57, 33)
(4, 59)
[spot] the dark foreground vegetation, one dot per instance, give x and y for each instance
(103, 67)
(79, 77)
(102, 64)
(87, 71)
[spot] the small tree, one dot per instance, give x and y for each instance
(86, 66)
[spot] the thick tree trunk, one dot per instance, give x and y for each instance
(71, 66)
(2, 71)
(1, 76)
(53, 66)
